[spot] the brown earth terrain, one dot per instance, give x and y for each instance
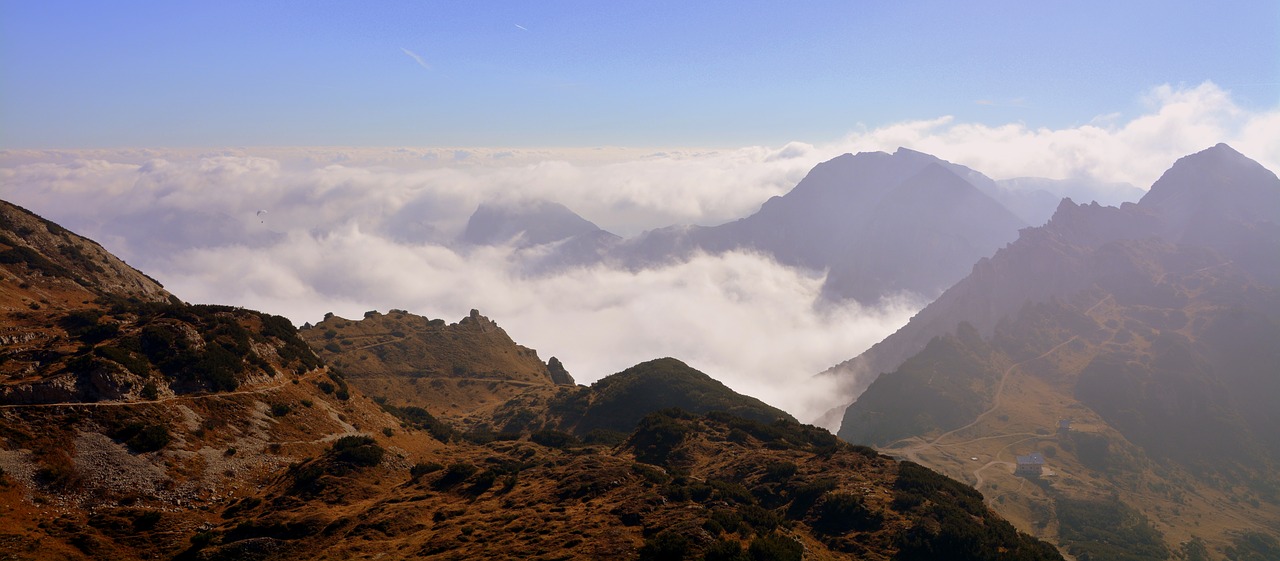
(134, 426)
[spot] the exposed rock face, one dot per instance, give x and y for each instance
(558, 373)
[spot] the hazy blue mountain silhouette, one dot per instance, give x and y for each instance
(879, 224)
(1216, 201)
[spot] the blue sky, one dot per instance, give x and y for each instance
(529, 74)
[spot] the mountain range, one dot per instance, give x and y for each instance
(878, 224)
(136, 426)
(1105, 382)
(1137, 343)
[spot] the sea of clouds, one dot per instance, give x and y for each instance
(305, 231)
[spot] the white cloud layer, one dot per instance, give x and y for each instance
(354, 229)
(1178, 121)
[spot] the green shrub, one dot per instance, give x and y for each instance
(804, 496)
(725, 550)
(665, 546)
(141, 438)
(454, 475)
(554, 439)
(419, 418)
(483, 482)
(843, 512)
(1253, 546)
(779, 471)
(728, 519)
(131, 362)
(657, 436)
(358, 451)
(760, 519)
(1108, 529)
(731, 492)
(775, 547)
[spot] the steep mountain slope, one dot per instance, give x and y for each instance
(128, 419)
(920, 237)
(1153, 328)
(1057, 258)
(36, 251)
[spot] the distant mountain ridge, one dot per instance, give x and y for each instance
(1048, 260)
(879, 224)
(1152, 330)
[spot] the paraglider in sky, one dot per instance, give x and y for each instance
(260, 215)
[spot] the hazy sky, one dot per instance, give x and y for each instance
(560, 73)
(128, 122)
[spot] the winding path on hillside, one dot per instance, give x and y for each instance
(997, 400)
(280, 382)
(911, 452)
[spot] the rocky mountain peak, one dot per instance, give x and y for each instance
(1217, 180)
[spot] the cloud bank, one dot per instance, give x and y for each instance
(356, 229)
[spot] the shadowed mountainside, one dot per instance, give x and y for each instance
(1153, 328)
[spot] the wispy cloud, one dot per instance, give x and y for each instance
(416, 58)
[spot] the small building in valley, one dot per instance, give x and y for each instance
(1029, 465)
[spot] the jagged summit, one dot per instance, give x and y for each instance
(1153, 325)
